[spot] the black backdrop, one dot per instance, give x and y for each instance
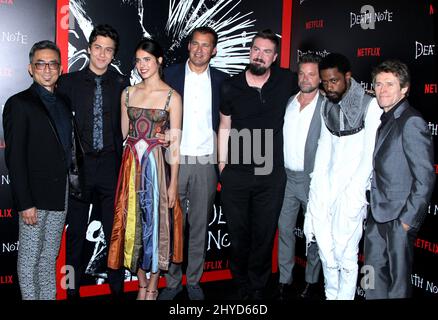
(235, 21)
(404, 30)
(22, 23)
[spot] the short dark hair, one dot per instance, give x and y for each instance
(104, 30)
(269, 35)
(153, 47)
(45, 44)
(205, 30)
(335, 60)
(397, 68)
(309, 58)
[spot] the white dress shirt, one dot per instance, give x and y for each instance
(197, 130)
(295, 130)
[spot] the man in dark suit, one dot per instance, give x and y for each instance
(402, 183)
(301, 130)
(94, 95)
(37, 128)
(199, 86)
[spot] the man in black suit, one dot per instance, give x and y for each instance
(94, 95)
(37, 128)
(199, 85)
(402, 183)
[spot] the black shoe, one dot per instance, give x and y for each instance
(286, 292)
(73, 295)
(311, 292)
(255, 295)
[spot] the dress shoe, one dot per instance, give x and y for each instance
(73, 295)
(311, 292)
(255, 295)
(170, 293)
(195, 292)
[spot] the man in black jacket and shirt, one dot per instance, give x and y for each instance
(38, 132)
(94, 95)
(252, 174)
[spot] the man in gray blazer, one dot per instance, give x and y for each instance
(301, 130)
(402, 183)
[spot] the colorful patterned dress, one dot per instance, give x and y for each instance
(145, 232)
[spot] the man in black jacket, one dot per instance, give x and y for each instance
(37, 129)
(94, 95)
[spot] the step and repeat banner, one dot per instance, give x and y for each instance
(22, 23)
(368, 32)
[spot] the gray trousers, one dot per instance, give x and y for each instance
(295, 197)
(37, 253)
(389, 250)
(197, 190)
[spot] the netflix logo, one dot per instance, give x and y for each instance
(430, 88)
(426, 245)
(5, 72)
(6, 279)
(315, 24)
(368, 52)
(5, 213)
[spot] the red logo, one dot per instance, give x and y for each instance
(8, 279)
(430, 88)
(5, 213)
(315, 24)
(6, 72)
(426, 245)
(431, 9)
(436, 168)
(368, 52)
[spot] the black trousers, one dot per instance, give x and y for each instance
(252, 205)
(100, 185)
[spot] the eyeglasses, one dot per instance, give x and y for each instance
(53, 65)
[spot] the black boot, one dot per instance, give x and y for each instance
(311, 292)
(73, 295)
(286, 292)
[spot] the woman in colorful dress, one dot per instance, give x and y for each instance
(147, 223)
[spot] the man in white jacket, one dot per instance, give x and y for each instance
(343, 165)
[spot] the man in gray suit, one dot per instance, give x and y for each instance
(402, 183)
(302, 126)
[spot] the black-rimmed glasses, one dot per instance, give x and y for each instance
(53, 65)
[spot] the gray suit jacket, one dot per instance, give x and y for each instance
(403, 175)
(311, 140)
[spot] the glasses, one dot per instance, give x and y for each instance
(53, 65)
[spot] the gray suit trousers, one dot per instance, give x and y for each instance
(294, 197)
(388, 244)
(197, 190)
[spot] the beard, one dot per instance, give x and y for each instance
(306, 89)
(257, 69)
(335, 98)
